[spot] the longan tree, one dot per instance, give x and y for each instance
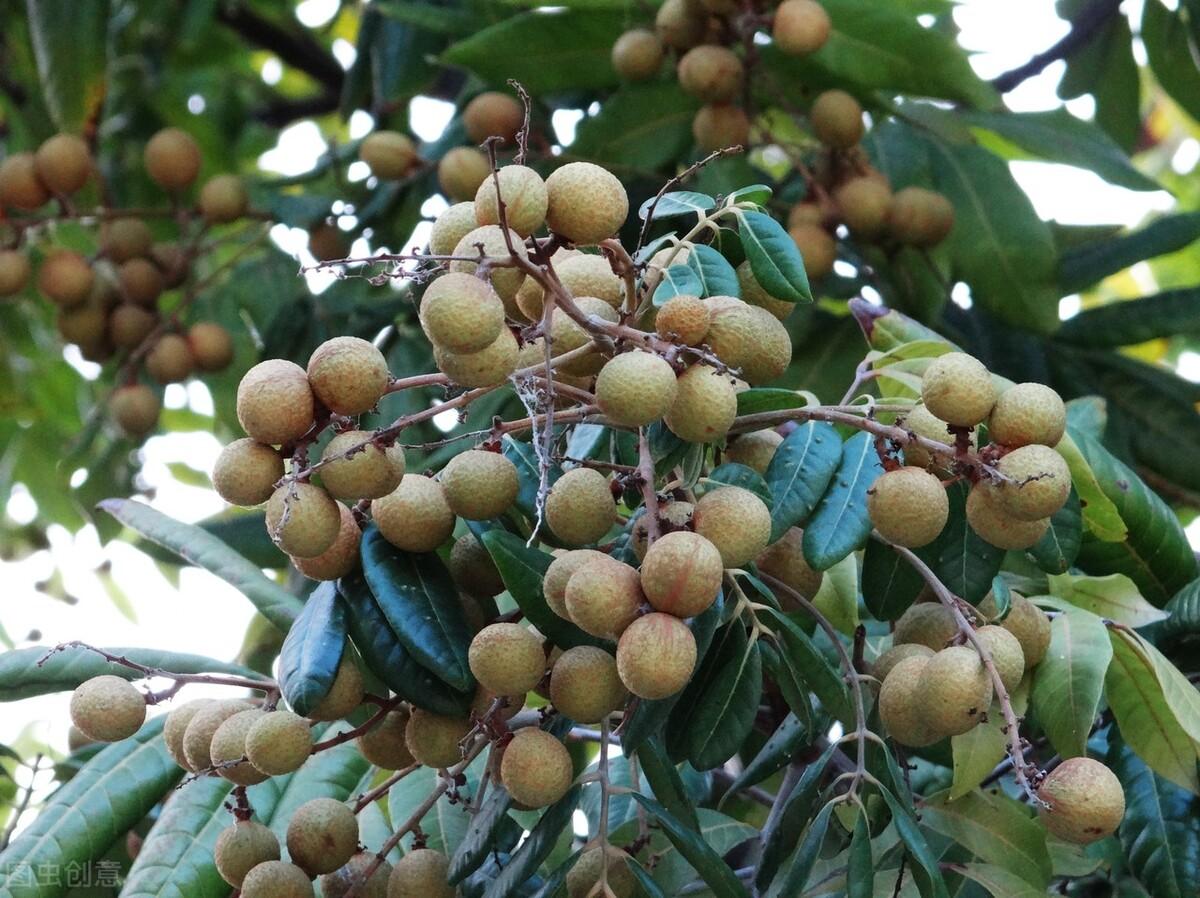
(718, 502)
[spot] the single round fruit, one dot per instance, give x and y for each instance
(302, 519)
(107, 708)
(277, 879)
(493, 114)
(242, 847)
(368, 473)
(461, 313)
(480, 485)
(507, 658)
(656, 656)
(390, 154)
(920, 217)
(711, 73)
(135, 409)
(228, 747)
(754, 450)
(211, 346)
(223, 199)
(637, 54)
(84, 325)
(170, 360)
(172, 159)
(603, 597)
(887, 662)
(748, 337)
(415, 516)
(198, 736)
(348, 374)
(176, 725)
(806, 212)
(14, 271)
(246, 472)
(345, 693)
(784, 560)
(1038, 483)
(902, 705)
(579, 507)
(800, 27)
(684, 318)
(864, 204)
(338, 883)
(65, 277)
(1030, 625)
(958, 389)
(339, 559)
(734, 520)
(473, 569)
(433, 739)
(908, 506)
(584, 878)
(718, 125)
(461, 171)
(129, 325)
(506, 281)
(536, 768)
(141, 282)
(584, 684)
(421, 873)
(1081, 801)
(172, 261)
(326, 243)
(995, 525)
(586, 203)
(123, 239)
(455, 223)
(559, 573)
(705, 405)
(672, 516)
(588, 274)
(567, 335)
(63, 163)
(384, 746)
(275, 402)
(486, 368)
(837, 119)
(955, 690)
(279, 742)
(322, 835)
(635, 388)
(1025, 414)
(754, 294)
(20, 186)
(930, 624)
(1006, 654)
(818, 249)
(524, 194)
(925, 424)
(680, 25)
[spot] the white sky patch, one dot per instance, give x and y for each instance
(315, 13)
(429, 117)
(299, 148)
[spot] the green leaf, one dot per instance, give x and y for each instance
(707, 863)
(999, 882)
(964, 561)
(70, 44)
(665, 782)
(768, 399)
(994, 828)
(1184, 609)
(775, 260)
(1100, 515)
(1114, 597)
(800, 471)
(334, 773)
(1126, 322)
(840, 524)
(1106, 69)
(797, 810)
(675, 204)
(716, 275)
(1067, 683)
(796, 877)
(536, 847)
(860, 865)
(641, 125)
(889, 583)
(308, 661)
(1085, 265)
(977, 752)
(726, 710)
(791, 735)
(1182, 697)
(1171, 51)
(421, 604)
(811, 665)
(733, 474)
(926, 869)
(472, 851)
(1057, 550)
(677, 280)
(196, 546)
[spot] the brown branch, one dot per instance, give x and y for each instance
(211, 679)
(1084, 28)
(675, 182)
(296, 48)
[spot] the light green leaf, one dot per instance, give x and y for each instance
(1069, 680)
(1001, 883)
(70, 44)
(1114, 597)
(996, 829)
(1100, 515)
(838, 595)
(977, 752)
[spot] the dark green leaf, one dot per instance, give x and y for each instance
(536, 847)
(70, 44)
(666, 784)
(308, 661)
(677, 280)
(725, 712)
(480, 837)
(715, 274)
(813, 668)
(889, 583)
(1184, 609)
(799, 473)
(797, 810)
(789, 736)
(1085, 265)
(707, 863)
(1055, 552)
(860, 866)
(643, 125)
(840, 524)
(1171, 51)
(768, 399)
(962, 559)
(675, 204)
(733, 474)
(994, 828)
(1002, 596)
(774, 259)
(1106, 69)
(645, 882)
(1126, 322)
(805, 858)
(1068, 682)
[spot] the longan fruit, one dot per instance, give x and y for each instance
(924, 423)
(65, 278)
(176, 725)
(800, 27)
(63, 163)
(637, 54)
(325, 242)
(886, 662)
(169, 360)
(211, 346)
(415, 516)
(421, 873)
(958, 389)
(908, 506)
(451, 226)
(679, 25)
(754, 450)
(525, 199)
(507, 659)
(754, 294)
(20, 186)
(172, 159)
(1025, 414)
(587, 274)
(705, 405)
(928, 623)
(473, 569)
(1030, 625)
(635, 388)
(672, 516)
(587, 203)
(172, 261)
(836, 119)
(955, 690)
(536, 768)
(559, 573)
(384, 746)
(806, 212)
(461, 313)
(370, 473)
(583, 878)
(275, 402)
(322, 835)
(276, 879)
(684, 318)
(1081, 801)
(1038, 484)
(584, 684)
(681, 573)
(141, 282)
(433, 739)
(864, 204)
(129, 325)
(302, 519)
(603, 597)
(994, 525)
(242, 847)
(198, 736)
(750, 338)
(246, 472)
(566, 335)
(123, 239)
(223, 199)
(734, 520)
(784, 560)
(493, 114)
(1006, 654)
(345, 693)
(580, 507)
(901, 705)
(107, 708)
(348, 374)
(135, 408)
(656, 656)
(339, 559)
(505, 281)
(461, 171)
(228, 747)
(338, 883)
(14, 271)
(279, 742)
(85, 324)
(719, 125)
(480, 485)
(818, 249)
(712, 74)
(390, 154)
(486, 368)
(920, 217)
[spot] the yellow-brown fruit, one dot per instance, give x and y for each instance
(734, 520)
(635, 388)
(995, 525)
(672, 516)
(681, 573)
(603, 597)
(277, 879)
(322, 835)
(384, 746)
(1025, 414)
(580, 508)
(754, 450)
(242, 847)
(754, 294)
(484, 700)
(433, 740)
(705, 405)
(275, 402)
(302, 519)
(1006, 654)
(85, 324)
(567, 335)
(338, 883)
(656, 656)
(684, 318)
(126, 238)
(485, 368)
(170, 360)
(885, 663)
(65, 278)
(176, 725)
(415, 516)
(711, 73)
(473, 569)
(421, 873)
(958, 389)
(20, 186)
(817, 248)
(141, 282)
(637, 54)
(223, 199)
(63, 163)
(480, 485)
(558, 574)
(211, 346)
(348, 374)
(245, 472)
(14, 271)
(1081, 801)
(925, 424)
(135, 409)
(172, 159)
(505, 281)
(955, 690)
(461, 171)
(584, 684)
(1030, 625)
(586, 203)
(507, 659)
(583, 878)
(901, 703)
(1038, 483)
(493, 114)
(390, 154)
(784, 560)
(908, 506)
(228, 747)
(455, 223)
(807, 212)
(107, 708)
(680, 25)
(524, 194)
(930, 624)
(536, 768)
(800, 27)
(920, 217)
(719, 125)
(279, 742)
(129, 325)
(172, 262)
(340, 558)
(369, 473)
(587, 274)
(325, 242)
(837, 119)
(198, 736)
(346, 692)
(864, 204)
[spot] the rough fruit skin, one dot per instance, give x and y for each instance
(107, 708)
(734, 520)
(211, 346)
(461, 313)
(901, 701)
(135, 409)
(312, 519)
(322, 835)
(680, 25)
(637, 54)
(955, 690)
(929, 624)
(20, 186)
(754, 294)
(908, 506)
(635, 388)
(63, 163)
(390, 154)
(275, 402)
(536, 768)
(480, 485)
(784, 560)
(603, 597)
(279, 742)
(887, 662)
(837, 119)
(864, 204)
(958, 389)
(340, 881)
(584, 684)
(415, 516)
(369, 473)
(705, 405)
(507, 658)
(384, 746)
(711, 73)
(558, 574)
(485, 368)
(996, 526)
(586, 202)
(925, 424)
(1081, 801)
(505, 281)
(421, 874)
(229, 744)
(493, 114)
(339, 559)
(170, 361)
(172, 159)
(800, 27)
(277, 879)
(754, 450)
(1031, 626)
(681, 573)
(684, 318)
(920, 217)
(587, 274)
(817, 248)
(129, 325)
(223, 199)
(672, 516)
(14, 271)
(348, 374)
(242, 847)
(473, 569)
(584, 876)
(461, 171)
(176, 725)
(65, 278)
(566, 335)
(345, 694)
(580, 508)
(198, 736)
(656, 656)
(524, 195)
(1039, 483)
(719, 125)
(1027, 413)
(1006, 654)
(433, 739)
(748, 337)
(450, 227)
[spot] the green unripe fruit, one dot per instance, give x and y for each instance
(958, 389)
(302, 519)
(1029, 624)
(710, 73)
(718, 125)
(198, 736)
(455, 223)
(339, 559)
(506, 281)
(901, 703)
(176, 726)
(748, 337)
(172, 159)
(997, 526)
(680, 25)
(348, 374)
(584, 684)
(587, 274)
(885, 663)
(817, 248)
(635, 388)
(1006, 654)
(486, 368)
(586, 203)
(473, 569)
(277, 879)
(559, 573)
(126, 238)
(637, 54)
(211, 346)
(390, 154)
(685, 319)
(1025, 414)
(705, 405)
(536, 768)
(800, 27)
(656, 656)
(384, 744)
(837, 119)
(107, 708)
(908, 506)
(325, 242)
(14, 271)
(583, 878)
(170, 360)
(1038, 484)
(275, 402)
(924, 424)
(525, 199)
(461, 171)
(955, 690)
(415, 516)
(784, 560)
(63, 163)
(480, 485)
(754, 294)
(920, 217)
(223, 199)
(864, 203)
(346, 692)
(242, 847)
(672, 516)
(338, 883)
(369, 473)
(20, 186)
(493, 114)
(228, 747)
(603, 597)
(929, 624)
(421, 873)
(507, 659)
(580, 508)
(433, 740)
(65, 278)
(461, 313)
(734, 520)
(754, 450)
(279, 742)
(135, 409)
(1081, 801)
(322, 835)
